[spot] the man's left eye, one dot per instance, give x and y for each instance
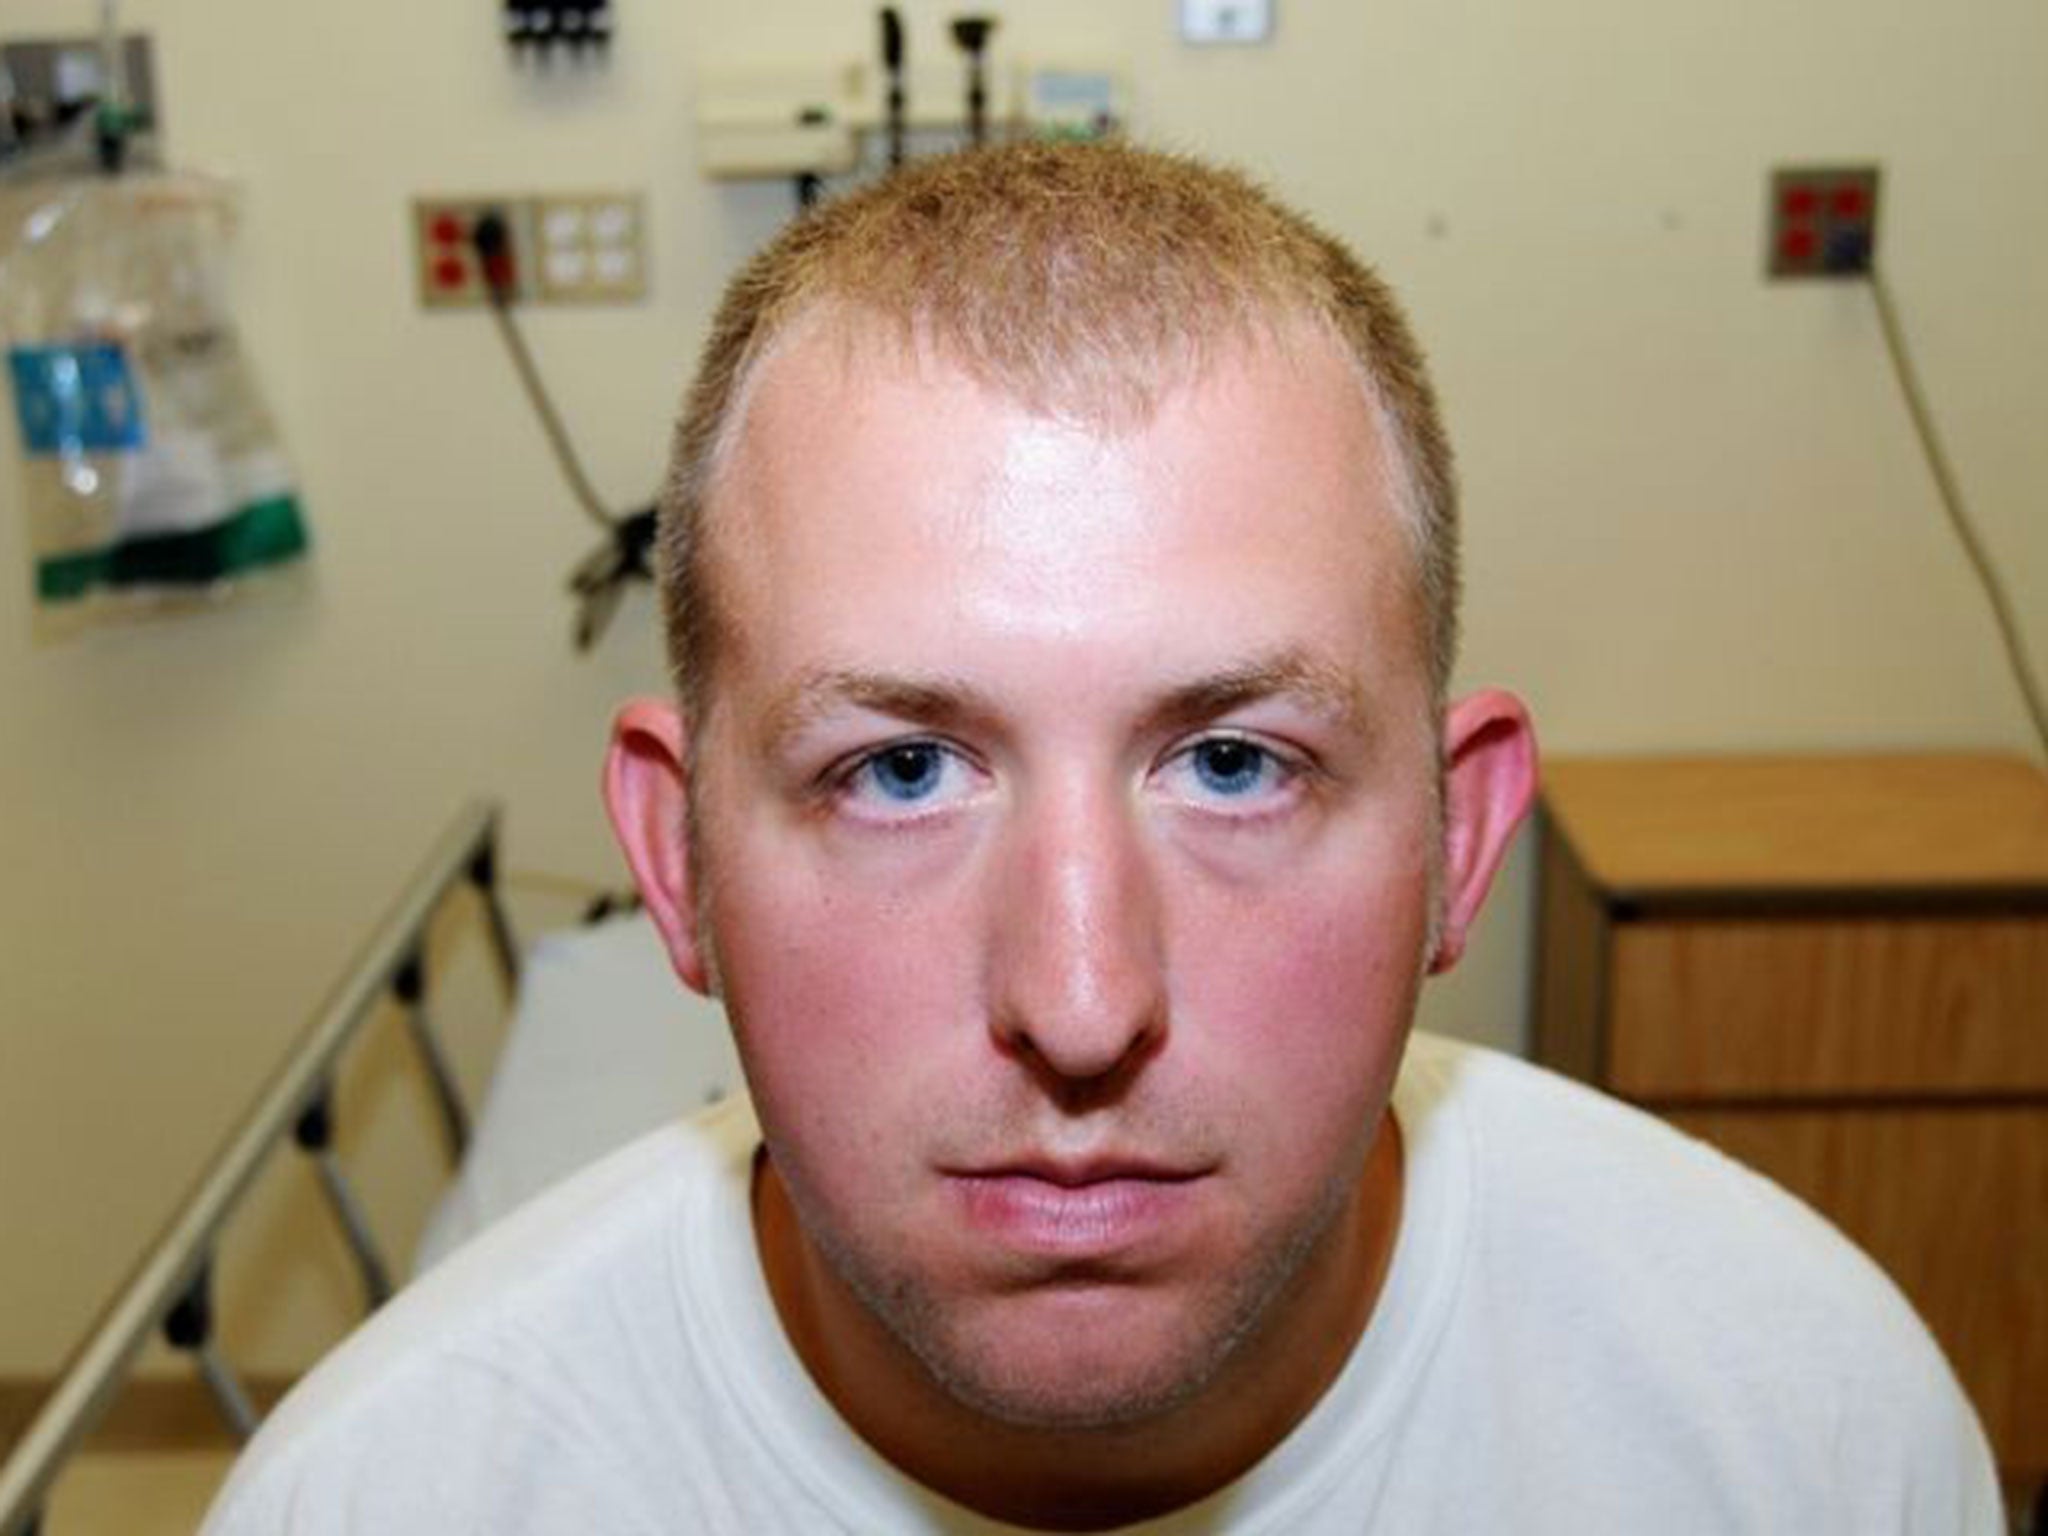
(1228, 768)
(907, 773)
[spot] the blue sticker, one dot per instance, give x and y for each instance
(76, 399)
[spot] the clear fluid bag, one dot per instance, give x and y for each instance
(153, 473)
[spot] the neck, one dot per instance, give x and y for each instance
(1093, 1478)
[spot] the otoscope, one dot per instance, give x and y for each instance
(892, 64)
(972, 34)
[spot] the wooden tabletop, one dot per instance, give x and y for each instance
(1884, 824)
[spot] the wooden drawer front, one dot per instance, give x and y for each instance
(1708, 1009)
(1953, 1204)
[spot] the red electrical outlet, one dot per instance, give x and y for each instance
(1822, 221)
(450, 269)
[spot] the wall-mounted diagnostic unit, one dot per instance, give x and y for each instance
(815, 119)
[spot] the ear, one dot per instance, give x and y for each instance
(647, 795)
(1489, 780)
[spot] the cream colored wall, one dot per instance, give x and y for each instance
(1696, 521)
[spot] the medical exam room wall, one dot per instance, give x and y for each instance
(1695, 518)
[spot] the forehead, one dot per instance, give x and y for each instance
(876, 498)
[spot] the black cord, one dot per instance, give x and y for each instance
(493, 245)
(1952, 504)
(627, 552)
(550, 419)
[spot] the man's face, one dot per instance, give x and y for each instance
(1065, 818)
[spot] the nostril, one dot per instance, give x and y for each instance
(1076, 1079)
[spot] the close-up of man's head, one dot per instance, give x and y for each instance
(1060, 569)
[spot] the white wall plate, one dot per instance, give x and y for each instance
(1226, 21)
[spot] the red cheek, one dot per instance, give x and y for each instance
(1294, 984)
(829, 982)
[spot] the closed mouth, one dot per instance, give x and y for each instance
(1077, 1209)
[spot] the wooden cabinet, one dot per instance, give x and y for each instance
(1835, 970)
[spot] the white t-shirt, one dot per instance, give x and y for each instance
(1590, 1325)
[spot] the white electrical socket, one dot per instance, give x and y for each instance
(592, 248)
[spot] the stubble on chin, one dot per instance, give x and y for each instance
(1068, 1379)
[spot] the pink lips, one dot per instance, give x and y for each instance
(1077, 1211)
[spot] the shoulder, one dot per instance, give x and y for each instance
(1566, 1175)
(537, 1339)
(1682, 1295)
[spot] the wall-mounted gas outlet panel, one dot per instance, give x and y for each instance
(558, 248)
(1822, 221)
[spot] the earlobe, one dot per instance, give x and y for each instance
(646, 794)
(1489, 781)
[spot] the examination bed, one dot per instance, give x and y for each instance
(603, 1044)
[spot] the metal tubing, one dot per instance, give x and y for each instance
(314, 1132)
(483, 874)
(95, 1371)
(228, 1393)
(354, 1226)
(454, 1114)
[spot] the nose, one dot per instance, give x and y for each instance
(1079, 990)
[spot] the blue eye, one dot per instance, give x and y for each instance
(904, 780)
(1234, 775)
(1229, 766)
(907, 772)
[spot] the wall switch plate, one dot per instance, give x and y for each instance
(560, 248)
(1226, 21)
(1821, 221)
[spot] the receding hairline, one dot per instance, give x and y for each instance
(856, 330)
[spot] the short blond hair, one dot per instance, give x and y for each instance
(1084, 280)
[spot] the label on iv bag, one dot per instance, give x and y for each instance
(75, 399)
(201, 496)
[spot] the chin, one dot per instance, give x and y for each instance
(1074, 1378)
(1080, 1357)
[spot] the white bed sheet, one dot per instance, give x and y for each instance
(604, 1044)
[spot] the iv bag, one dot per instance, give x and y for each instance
(153, 472)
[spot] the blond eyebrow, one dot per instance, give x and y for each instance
(1328, 690)
(939, 703)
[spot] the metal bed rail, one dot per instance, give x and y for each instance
(170, 1287)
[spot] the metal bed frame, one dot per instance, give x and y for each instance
(170, 1287)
